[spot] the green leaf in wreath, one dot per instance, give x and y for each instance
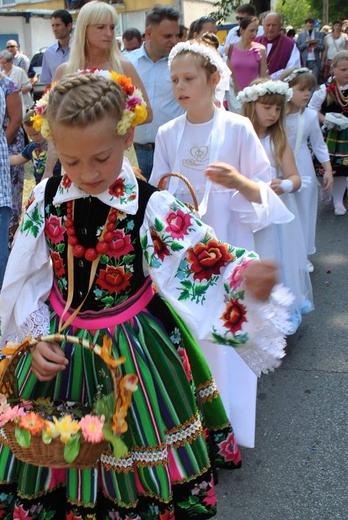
(72, 448)
(23, 437)
(118, 446)
(175, 246)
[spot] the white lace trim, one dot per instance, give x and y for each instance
(109, 460)
(37, 323)
(209, 391)
(269, 325)
(2, 433)
(184, 434)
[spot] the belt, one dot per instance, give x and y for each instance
(145, 146)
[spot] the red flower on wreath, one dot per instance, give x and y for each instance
(234, 315)
(236, 277)
(178, 223)
(117, 188)
(113, 279)
(54, 229)
(28, 203)
(58, 265)
(20, 513)
(120, 245)
(208, 259)
(161, 249)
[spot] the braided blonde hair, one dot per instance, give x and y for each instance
(82, 99)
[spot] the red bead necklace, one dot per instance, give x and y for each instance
(102, 246)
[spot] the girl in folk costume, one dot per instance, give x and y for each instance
(264, 104)
(95, 241)
(210, 147)
(302, 128)
(331, 102)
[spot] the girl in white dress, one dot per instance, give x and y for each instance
(264, 103)
(208, 146)
(302, 127)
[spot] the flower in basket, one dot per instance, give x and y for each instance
(72, 423)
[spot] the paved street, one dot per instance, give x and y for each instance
(298, 469)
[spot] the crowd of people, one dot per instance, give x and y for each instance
(197, 300)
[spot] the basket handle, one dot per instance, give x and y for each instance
(8, 379)
(161, 185)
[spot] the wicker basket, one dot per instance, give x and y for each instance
(162, 183)
(39, 453)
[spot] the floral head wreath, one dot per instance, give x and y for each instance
(198, 48)
(253, 92)
(296, 73)
(134, 113)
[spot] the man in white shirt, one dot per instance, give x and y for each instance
(151, 62)
(311, 44)
(233, 36)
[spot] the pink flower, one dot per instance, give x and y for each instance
(92, 428)
(229, 449)
(54, 229)
(132, 102)
(210, 497)
(120, 245)
(10, 414)
(236, 277)
(178, 223)
(19, 513)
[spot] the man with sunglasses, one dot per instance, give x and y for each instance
(19, 59)
(242, 11)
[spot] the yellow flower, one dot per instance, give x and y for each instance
(140, 115)
(51, 430)
(66, 427)
(37, 120)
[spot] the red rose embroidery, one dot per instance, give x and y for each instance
(234, 315)
(54, 229)
(58, 265)
(178, 223)
(208, 259)
(120, 245)
(229, 449)
(66, 182)
(113, 279)
(117, 188)
(161, 249)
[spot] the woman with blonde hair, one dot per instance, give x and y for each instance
(95, 47)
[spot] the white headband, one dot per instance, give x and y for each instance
(198, 48)
(296, 73)
(253, 92)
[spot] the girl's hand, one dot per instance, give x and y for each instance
(47, 360)
(224, 174)
(327, 181)
(260, 278)
(275, 186)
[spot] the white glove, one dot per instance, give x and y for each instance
(335, 121)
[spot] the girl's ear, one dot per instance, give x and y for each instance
(215, 78)
(128, 138)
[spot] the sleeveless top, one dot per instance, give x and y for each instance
(245, 65)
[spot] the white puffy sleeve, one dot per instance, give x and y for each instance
(202, 278)
(29, 276)
(316, 138)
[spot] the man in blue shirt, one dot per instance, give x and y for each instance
(58, 53)
(151, 62)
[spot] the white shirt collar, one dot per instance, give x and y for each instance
(123, 194)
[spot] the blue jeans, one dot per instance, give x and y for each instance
(145, 160)
(5, 217)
